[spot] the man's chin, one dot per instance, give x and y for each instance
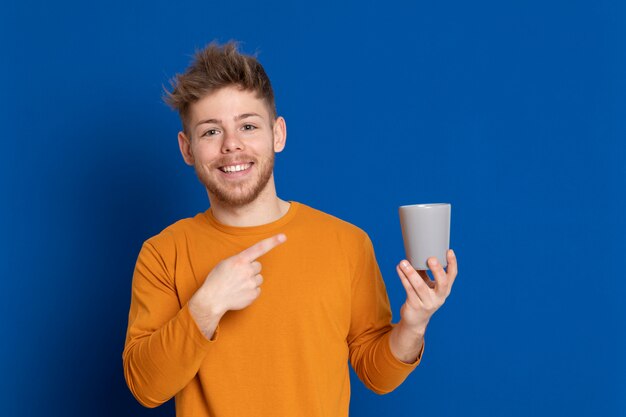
(235, 193)
(233, 199)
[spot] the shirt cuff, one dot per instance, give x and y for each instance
(397, 363)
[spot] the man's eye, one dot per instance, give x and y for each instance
(211, 132)
(249, 127)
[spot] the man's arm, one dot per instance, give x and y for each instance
(424, 298)
(382, 354)
(370, 327)
(166, 344)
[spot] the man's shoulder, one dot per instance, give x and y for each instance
(321, 219)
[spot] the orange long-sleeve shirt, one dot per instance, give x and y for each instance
(323, 302)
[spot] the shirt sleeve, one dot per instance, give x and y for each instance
(164, 346)
(370, 327)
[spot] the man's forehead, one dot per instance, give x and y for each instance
(228, 104)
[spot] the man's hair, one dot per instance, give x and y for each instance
(215, 67)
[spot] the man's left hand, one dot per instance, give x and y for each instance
(423, 295)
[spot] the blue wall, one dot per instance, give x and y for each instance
(512, 111)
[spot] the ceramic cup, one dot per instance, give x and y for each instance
(426, 233)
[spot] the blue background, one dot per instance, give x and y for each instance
(514, 112)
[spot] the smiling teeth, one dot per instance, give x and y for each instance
(236, 168)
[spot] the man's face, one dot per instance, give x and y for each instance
(231, 141)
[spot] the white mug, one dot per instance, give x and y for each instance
(426, 233)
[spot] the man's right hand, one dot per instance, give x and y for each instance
(233, 284)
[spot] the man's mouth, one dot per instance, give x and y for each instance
(229, 169)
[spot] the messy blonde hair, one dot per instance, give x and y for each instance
(215, 67)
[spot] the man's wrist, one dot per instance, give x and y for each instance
(206, 318)
(406, 341)
(416, 330)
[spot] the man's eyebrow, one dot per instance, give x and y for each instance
(246, 115)
(237, 118)
(216, 121)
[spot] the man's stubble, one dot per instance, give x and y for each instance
(237, 194)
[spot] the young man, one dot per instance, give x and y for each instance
(254, 307)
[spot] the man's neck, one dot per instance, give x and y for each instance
(263, 210)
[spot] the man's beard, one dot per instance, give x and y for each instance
(237, 194)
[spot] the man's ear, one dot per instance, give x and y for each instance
(280, 134)
(184, 143)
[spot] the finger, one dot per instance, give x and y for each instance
(258, 279)
(410, 292)
(453, 268)
(256, 267)
(441, 279)
(419, 286)
(261, 248)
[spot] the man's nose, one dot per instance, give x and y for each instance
(231, 143)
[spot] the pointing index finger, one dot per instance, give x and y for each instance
(261, 248)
